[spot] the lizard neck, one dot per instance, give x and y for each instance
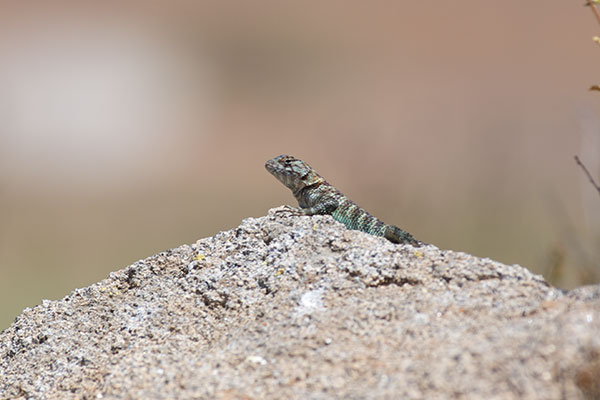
(304, 193)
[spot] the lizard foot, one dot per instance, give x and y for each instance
(286, 210)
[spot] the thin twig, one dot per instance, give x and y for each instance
(578, 161)
(594, 9)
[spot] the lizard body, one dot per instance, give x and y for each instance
(316, 196)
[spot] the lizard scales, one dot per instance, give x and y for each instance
(316, 196)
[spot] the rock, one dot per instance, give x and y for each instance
(299, 307)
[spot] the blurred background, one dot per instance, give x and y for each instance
(131, 128)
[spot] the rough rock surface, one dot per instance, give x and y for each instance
(300, 307)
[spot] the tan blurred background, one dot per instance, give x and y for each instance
(130, 128)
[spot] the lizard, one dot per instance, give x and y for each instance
(316, 196)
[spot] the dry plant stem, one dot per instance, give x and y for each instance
(594, 9)
(578, 161)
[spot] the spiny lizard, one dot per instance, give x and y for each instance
(316, 196)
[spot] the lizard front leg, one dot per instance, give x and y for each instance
(289, 209)
(323, 207)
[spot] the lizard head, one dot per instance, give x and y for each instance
(292, 172)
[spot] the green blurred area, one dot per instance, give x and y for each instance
(127, 130)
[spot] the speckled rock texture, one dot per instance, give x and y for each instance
(287, 307)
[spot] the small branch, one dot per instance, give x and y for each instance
(592, 5)
(589, 176)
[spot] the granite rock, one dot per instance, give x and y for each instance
(300, 307)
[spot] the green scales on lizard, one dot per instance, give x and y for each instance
(316, 196)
